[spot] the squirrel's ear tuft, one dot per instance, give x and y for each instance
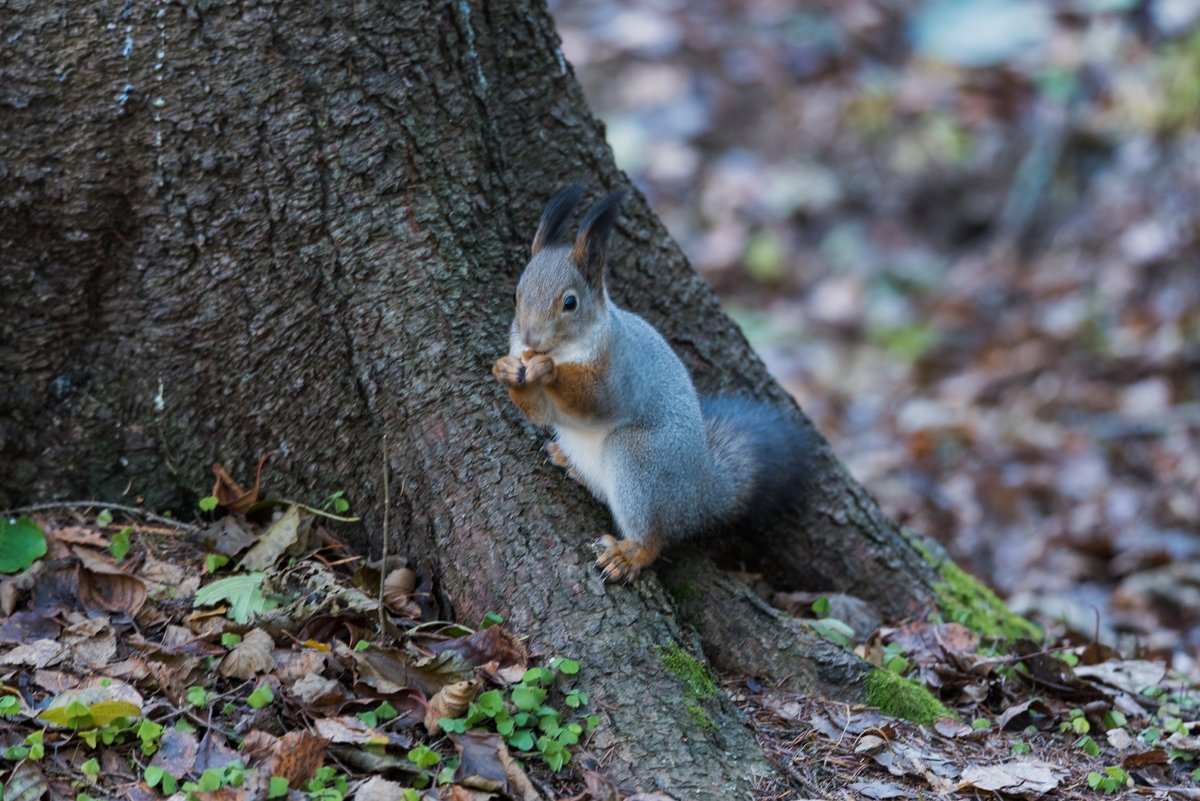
(555, 215)
(591, 245)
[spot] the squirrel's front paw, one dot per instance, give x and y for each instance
(539, 368)
(622, 560)
(509, 371)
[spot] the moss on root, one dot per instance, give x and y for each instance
(903, 698)
(963, 599)
(697, 681)
(701, 719)
(693, 674)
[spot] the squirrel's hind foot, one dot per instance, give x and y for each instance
(622, 560)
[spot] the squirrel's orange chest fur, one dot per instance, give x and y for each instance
(578, 389)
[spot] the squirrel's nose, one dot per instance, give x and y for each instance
(531, 341)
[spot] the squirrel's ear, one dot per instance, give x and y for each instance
(555, 214)
(591, 245)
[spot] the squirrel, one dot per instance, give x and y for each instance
(628, 423)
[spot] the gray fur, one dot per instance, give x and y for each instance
(668, 465)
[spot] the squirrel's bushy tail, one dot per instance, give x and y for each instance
(762, 457)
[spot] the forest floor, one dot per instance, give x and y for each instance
(247, 657)
(965, 236)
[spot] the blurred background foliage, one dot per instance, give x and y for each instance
(965, 235)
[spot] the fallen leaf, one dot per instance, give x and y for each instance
(104, 586)
(1155, 756)
(223, 794)
(449, 702)
(1119, 739)
(493, 644)
(25, 626)
(227, 536)
(600, 787)
(79, 535)
(37, 654)
(347, 729)
(230, 494)
(378, 788)
(249, 657)
(167, 580)
(92, 643)
(949, 727)
(177, 752)
(297, 756)
(213, 753)
(879, 790)
(1025, 779)
(391, 670)
(1183, 742)
(313, 690)
(27, 783)
(479, 764)
(397, 592)
(1014, 711)
(1131, 675)
(281, 537)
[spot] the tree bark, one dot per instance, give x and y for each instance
(229, 228)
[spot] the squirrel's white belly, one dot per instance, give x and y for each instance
(584, 447)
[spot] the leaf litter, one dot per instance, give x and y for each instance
(265, 680)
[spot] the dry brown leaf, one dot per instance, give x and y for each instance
(392, 670)
(27, 783)
(213, 752)
(519, 785)
(397, 592)
(297, 756)
(288, 534)
(223, 794)
(456, 792)
(10, 593)
(493, 644)
(1022, 778)
(1131, 675)
(78, 535)
(450, 702)
(879, 790)
(37, 654)
(313, 690)
(249, 657)
(258, 744)
(177, 752)
(104, 586)
(167, 580)
(600, 787)
(93, 643)
(347, 729)
(295, 665)
(25, 626)
(227, 536)
(1155, 756)
(378, 788)
(230, 494)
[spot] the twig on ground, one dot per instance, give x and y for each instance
(116, 507)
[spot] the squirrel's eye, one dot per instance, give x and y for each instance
(570, 302)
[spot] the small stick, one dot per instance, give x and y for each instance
(386, 504)
(131, 510)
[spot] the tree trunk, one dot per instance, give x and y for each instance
(229, 228)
